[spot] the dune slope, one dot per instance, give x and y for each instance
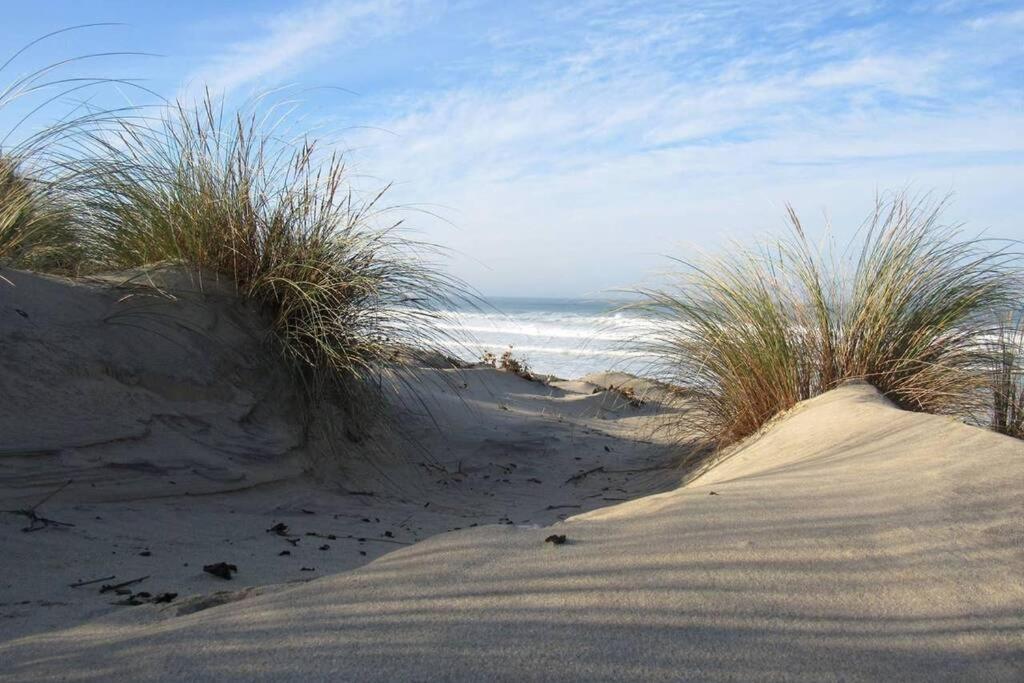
(159, 433)
(125, 388)
(851, 541)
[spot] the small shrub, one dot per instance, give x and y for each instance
(508, 363)
(627, 393)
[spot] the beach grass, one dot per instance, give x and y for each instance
(350, 298)
(1008, 377)
(36, 228)
(346, 293)
(907, 307)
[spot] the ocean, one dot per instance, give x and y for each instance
(568, 338)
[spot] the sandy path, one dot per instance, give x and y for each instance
(514, 466)
(853, 542)
(181, 453)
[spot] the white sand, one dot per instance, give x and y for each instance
(852, 541)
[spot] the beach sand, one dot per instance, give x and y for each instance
(849, 541)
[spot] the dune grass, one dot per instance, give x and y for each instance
(346, 295)
(1008, 377)
(350, 300)
(37, 229)
(908, 308)
(38, 218)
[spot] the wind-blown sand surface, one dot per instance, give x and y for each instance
(851, 540)
(183, 443)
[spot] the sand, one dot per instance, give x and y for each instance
(850, 541)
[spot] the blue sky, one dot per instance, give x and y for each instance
(566, 147)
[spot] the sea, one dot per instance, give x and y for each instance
(568, 338)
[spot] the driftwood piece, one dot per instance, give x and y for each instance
(106, 588)
(79, 584)
(582, 475)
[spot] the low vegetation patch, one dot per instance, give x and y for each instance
(909, 307)
(507, 362)
(627, 393)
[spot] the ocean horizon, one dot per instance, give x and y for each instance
(563, 336)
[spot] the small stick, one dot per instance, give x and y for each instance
(51, 495)
(86, 583)
(581, 475)
(559, 507)
(37, 521)
(377, 540)
(641, 469)
(42, 522)
(108, 587)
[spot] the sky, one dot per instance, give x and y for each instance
(566, 148)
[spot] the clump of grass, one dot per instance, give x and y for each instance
(37, 231)
(749, 334)
(36, 227)
(1008, 377)
(347, 297)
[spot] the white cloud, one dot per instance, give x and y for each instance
(583, 153)
(291, 40)
(1010, 20)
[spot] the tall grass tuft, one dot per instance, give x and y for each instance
(907, 307)
(346, 295)
(1008, 377)
(37, 231)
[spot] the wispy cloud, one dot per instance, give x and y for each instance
(292, 41)
(1013, 19)
(609, 131)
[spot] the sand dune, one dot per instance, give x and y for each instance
(849, 541)
(125, 389)
(183, 445)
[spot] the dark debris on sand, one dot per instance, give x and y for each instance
(220, 569)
